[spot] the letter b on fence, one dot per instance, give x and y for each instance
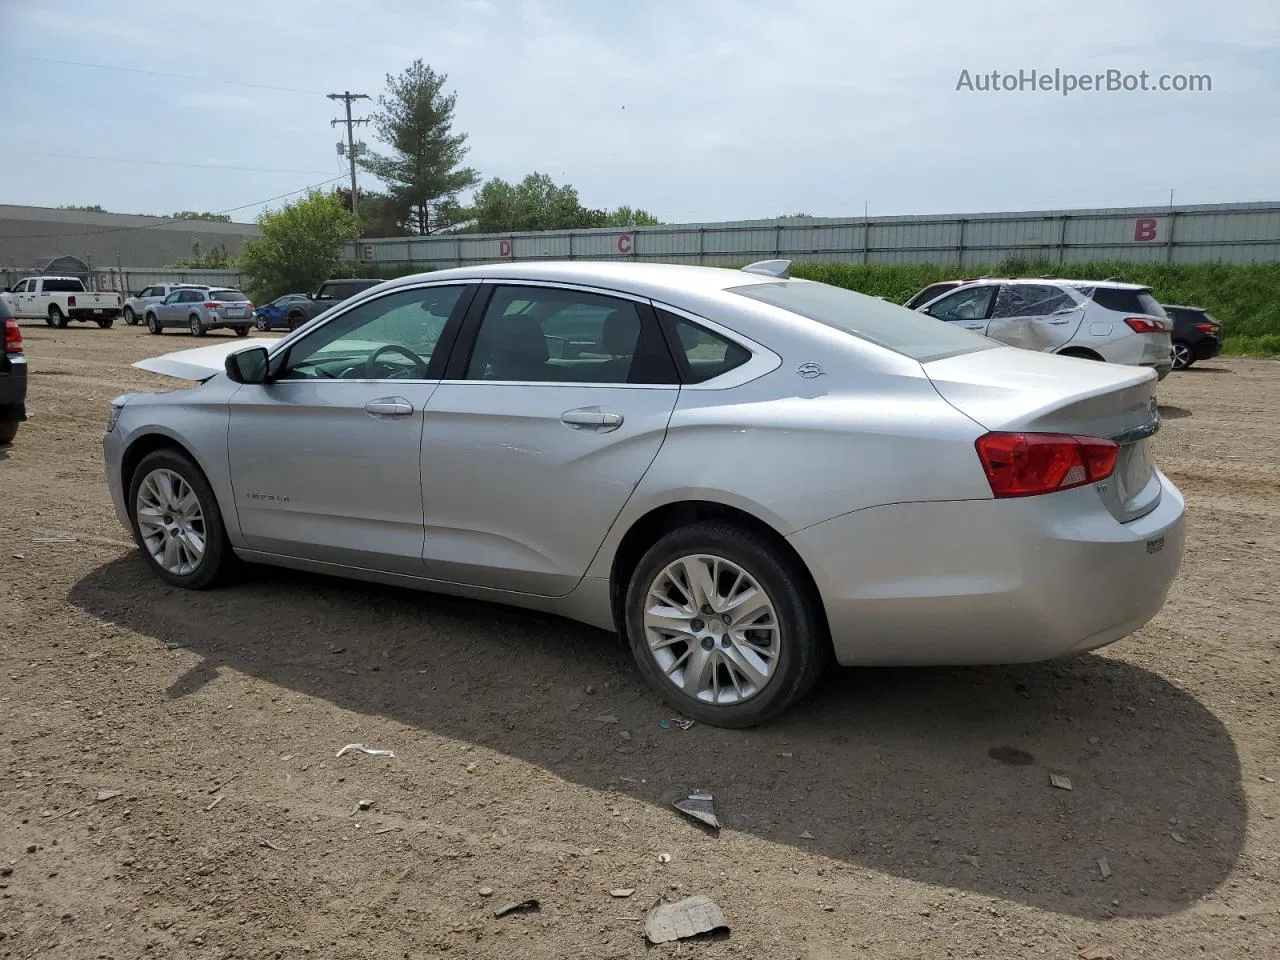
(1144, 229)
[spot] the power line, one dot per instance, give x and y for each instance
(347, 97)
(168, 221)
(160, 73)
(162, 163)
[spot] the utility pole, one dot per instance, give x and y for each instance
(347, 97)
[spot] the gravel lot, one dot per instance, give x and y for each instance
(899, 814)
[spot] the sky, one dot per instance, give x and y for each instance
(695, 110)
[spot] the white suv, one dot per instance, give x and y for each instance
(1103, 320)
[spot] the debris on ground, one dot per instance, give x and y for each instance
(622, 892)
(1097, 953)
(524, 906)
(806, 835)
(271, 846)
(625, 734)
(701, 807)
(664, 858)
(362, 805)
(1178, 838)
(1104, 868)
(687, 918)
(361, 748)
(104, 795)
(216, 800)
(1060, 780)
(485, 891)
(607, 718)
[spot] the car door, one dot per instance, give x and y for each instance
(22, 299)
(166, 310)
(556, 402)
(324, 457)
(969, 307)
(1034, 316)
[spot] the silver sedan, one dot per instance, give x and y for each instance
(744, 474)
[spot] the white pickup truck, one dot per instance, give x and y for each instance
(59, 300)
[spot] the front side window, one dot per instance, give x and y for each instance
(556, 336)
(390, 338)
(173, 297)
(971, 303)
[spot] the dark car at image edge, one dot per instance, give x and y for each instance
(13, 378)
(1196, 335)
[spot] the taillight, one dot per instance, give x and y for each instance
(119, 300)
(1027, 464)
(212, 305)
(12, 336)
(71, 301)
(1207, 327)
(1146, 325)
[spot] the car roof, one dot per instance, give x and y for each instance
(650, 279)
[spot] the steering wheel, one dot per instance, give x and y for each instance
(419, 367)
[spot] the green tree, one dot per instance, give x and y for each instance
(380, 214)
(215, 259)
(424, 169)
(537, 203)
(300, 246)
(92, 208)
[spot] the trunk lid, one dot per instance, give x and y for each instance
(1017, 390)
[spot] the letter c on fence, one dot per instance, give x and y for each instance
(1144, 229)
(624, 243)
(504, 248)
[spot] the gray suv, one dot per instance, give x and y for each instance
(331, 293)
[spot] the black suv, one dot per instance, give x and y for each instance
(331, 293)
(13, 378)
(1195, 335)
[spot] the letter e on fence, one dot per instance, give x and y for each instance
(626, 243)
(1144, 229)
(504, 248)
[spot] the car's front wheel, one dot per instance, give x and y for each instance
(724, 626)
(263, 324)
(176, 520)
(1182, 356)
(130, 317)
(153, 324)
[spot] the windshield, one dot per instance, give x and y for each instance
(885, 324)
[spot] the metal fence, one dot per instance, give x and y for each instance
(1202, 233)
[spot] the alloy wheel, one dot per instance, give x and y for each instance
(712, 629)
(170, 522)
(1181, 356)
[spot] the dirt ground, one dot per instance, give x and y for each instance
(898, 814)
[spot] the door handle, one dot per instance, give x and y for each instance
(974, 326)
(591, 418)
(389, 407)
(1059, 323)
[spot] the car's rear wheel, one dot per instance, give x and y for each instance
(176, 520)
(1182, 355)
(196, 326)
(295, 321)
(8, 430)
(724, 626)
(242, 331)
(130, 317)
(153, 324)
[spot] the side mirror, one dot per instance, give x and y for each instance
(310, 296)
(248, 366)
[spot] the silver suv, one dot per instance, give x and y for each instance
(1102, 320)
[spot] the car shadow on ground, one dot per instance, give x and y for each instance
(939, 775)
(1170, 412)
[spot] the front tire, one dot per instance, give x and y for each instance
(130, 317)
(196, 327)
(723, 625)
(1182, 355)
(8, 430)
(262, 324)
(153, 325)
(176, 521)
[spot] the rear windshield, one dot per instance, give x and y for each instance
(1128, 301)
(62, 286)
(228, 296)
(348, 288)
(883, 323)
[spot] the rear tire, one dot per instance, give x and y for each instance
(8, 430)
(295, 321)
(167, 471)
(1182, 355)
(786, 651)
(242, 331)
(153, 325)
(196, 326)
(130, 317)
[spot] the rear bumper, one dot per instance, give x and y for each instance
(991, 581)
(1206, 348)
(13, 389)
(93, 313)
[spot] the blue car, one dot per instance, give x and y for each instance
(273, 314)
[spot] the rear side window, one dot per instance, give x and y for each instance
(885, 324)
(56, 285)
(700, 353)
(1128, 301)
(1031, 300)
